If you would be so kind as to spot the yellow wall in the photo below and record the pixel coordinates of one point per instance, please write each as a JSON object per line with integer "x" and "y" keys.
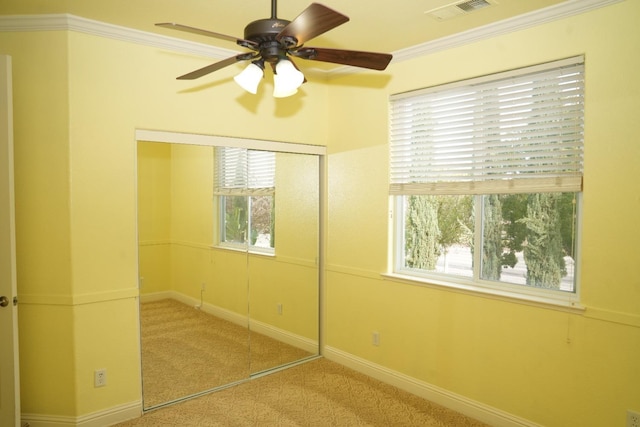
{"x": 45, "y": 149}
{"x": 77, "y": 101}
{"x": 542, "y": 364}
{"x": 154, "y": 216}
{"x": 43, "y": 218}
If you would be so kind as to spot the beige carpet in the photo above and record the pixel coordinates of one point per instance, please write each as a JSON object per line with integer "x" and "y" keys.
{"x": 186, "y": 351}
{"x": 315, "y": 393}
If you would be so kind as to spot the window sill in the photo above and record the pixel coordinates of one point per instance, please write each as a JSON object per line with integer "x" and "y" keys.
{"x": 567, "y": 305}
{"x": 244, "y": 250}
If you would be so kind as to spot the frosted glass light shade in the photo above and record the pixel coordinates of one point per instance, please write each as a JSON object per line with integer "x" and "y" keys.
{"x": 249, "y": 78}
{"x": 287, "y": 79}
{"x": 281, "y": 89}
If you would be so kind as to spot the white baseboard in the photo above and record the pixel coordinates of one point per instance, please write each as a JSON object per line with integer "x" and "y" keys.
{"x": 214, "y": 310}
{"x": 286, "y": 337}
{"x": 271, "y": 331}
{"x": 108, "y": 417}
{"x": 156, "y": 296}
{"x": 458, "y": 403}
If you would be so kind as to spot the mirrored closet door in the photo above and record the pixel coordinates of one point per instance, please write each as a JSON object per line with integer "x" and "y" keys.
{"x": 228, "y": 262}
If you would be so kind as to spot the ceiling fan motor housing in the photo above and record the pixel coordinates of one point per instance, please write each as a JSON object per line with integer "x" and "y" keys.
{"x": 264, "y": 32}
{"x": 264, "y": 29}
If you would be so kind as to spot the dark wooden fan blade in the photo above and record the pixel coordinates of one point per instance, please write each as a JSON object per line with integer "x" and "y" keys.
{"x": 215, "y": 67}
{"x": 313, "y": 21}
{"x": 372, "y": 60}
{"x": 193, "y": 30}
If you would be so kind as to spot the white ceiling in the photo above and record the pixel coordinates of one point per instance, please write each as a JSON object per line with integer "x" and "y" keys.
{"x": 378, "y": 26}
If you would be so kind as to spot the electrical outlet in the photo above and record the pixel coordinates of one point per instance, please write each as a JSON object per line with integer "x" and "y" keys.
{"x": 633, "y": 419}
{"x": 375, "y": 338}
{"x": 203, "y": 286}
{"x": 279, "y": 307}
{"x": 100, "y": 378}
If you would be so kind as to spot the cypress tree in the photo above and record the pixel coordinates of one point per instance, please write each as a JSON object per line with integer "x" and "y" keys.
{"x": 543, "y": 252}
{"x": 514, "y": 208}
{"x": 492, "y": 238}
{"x": 421, "y": 232}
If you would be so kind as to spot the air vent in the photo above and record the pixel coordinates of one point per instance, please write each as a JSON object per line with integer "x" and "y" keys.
{"x": 459, "y": 8}
{"x": 471, "y": 5}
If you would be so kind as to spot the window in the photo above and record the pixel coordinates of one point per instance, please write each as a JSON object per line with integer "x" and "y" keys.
{"x": 244, "y": 186}
{"x": 486, "y": 179}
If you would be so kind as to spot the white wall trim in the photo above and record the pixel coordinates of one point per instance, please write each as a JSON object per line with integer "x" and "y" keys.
{"x": 78, "y": 299}
{"x": 477, "y": 410}
{"x": 67, "y": 22}
{"x": 56, "y": 22}
{"x": 284, "y": 336}
{"x": 263, "y": 328}
{"x": 107, "y": 417}
{"x": 542, "y": 16}
{"x": 222, "y": 313}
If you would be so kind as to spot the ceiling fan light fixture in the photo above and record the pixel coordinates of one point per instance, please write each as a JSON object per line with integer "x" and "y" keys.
{"x": 250, "y": 77}
{"x": 281, "y": 90}
{"x": 287, "y": 79}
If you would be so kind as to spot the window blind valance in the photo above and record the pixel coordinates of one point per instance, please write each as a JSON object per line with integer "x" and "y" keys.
{"x": 520, "y": 131}
{"x": 243, "y": 172}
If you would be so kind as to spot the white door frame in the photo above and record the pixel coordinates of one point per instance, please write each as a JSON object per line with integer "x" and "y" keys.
{"x": 9, "y": 369}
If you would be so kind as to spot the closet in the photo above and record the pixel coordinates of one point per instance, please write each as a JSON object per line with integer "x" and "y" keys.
{"x": 229, "y": 250}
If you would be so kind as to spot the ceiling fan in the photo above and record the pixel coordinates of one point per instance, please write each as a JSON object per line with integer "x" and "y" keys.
{"x": 275, "y": 41}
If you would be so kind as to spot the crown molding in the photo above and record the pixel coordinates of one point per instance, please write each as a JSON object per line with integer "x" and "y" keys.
{"x": 55, "y": 22}
{"x": 549, "y": 14}
{"x": 67, "y": 22}
{"x": 538, "y": 17}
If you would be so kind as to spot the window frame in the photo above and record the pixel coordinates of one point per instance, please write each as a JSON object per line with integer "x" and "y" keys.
{"x": 474, "y": 284}
{"x": 221, "y": 200}
{"x": 243, "y": 185}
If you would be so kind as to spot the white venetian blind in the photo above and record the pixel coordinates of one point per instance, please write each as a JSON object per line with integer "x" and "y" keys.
{"x": 241, "y": 172}
{"x": 519, "y": 131}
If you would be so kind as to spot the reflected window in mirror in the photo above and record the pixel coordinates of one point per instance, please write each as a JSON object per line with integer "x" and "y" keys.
{"x": 244, "y": 190}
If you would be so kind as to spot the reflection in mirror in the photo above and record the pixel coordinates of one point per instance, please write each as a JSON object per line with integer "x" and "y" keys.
{"x": 283, "y": 289}
{"x": 228, "y": 279}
